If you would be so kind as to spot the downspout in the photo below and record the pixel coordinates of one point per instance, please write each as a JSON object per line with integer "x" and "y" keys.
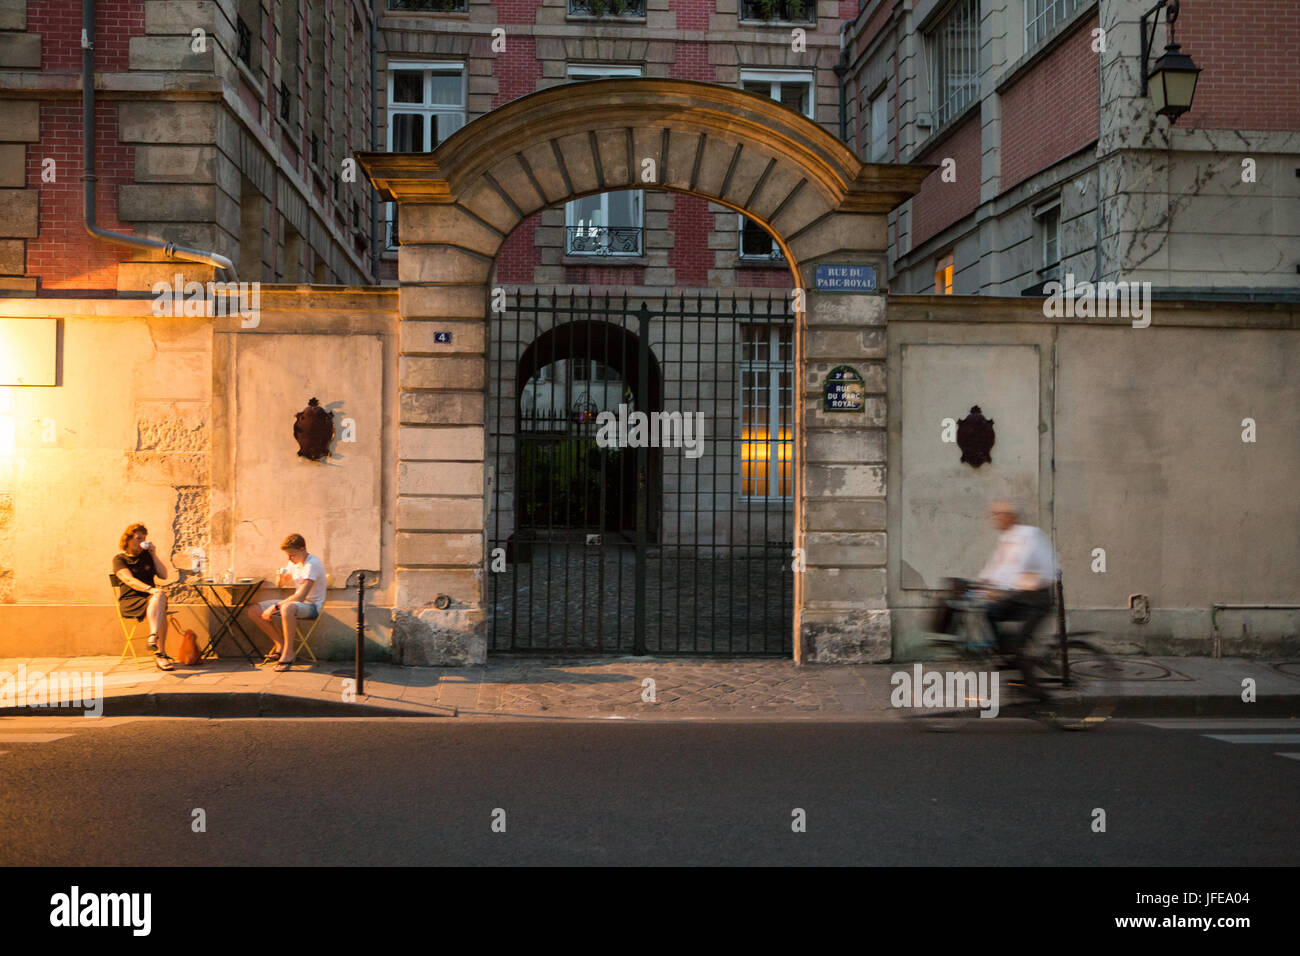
{"x": 374, "y": 138}
{"x": 170, "y": 249}
{"x": 841, "y": 69}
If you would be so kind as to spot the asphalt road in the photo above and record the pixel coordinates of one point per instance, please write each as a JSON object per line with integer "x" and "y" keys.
{"x": 123, "y": 791}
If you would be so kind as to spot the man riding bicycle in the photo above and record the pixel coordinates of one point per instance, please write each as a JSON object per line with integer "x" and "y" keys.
{"x": 1017, "y": 581}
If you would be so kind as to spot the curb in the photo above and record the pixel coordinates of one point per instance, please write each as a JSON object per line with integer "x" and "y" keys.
{"x": 259, "y": 704}
{"x": 226, "y": 705}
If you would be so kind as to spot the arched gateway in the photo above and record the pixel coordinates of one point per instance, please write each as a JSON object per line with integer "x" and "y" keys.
{"x": 826, "y": 210}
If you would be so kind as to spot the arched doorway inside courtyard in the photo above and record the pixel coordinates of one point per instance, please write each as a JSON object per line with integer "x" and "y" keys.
{"x": 823, "y": 207}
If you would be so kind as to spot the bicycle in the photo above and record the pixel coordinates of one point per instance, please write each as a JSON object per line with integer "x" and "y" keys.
{"x": 1077, "y": 677}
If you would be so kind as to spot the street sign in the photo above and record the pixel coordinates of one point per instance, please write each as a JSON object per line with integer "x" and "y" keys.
{"x": 845, "y": 391}
{"x": 846, "y": 278}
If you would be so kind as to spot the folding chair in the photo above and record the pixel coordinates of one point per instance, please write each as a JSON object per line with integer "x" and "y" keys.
{"x": 129, "y": 648}
{"x": 302, "y": 644}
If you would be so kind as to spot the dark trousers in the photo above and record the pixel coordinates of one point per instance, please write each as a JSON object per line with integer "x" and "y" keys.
{"x": 1028, "y": 608}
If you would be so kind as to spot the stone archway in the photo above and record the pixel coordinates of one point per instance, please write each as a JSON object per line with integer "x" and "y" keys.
{"x": 458, "y": 205}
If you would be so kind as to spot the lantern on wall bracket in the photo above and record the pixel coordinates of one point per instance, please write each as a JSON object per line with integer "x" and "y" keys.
{"x": 1171, "y": 80}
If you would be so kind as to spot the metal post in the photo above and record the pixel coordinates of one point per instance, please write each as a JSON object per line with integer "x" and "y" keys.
{"x": 642, "y": 477}
{"x": 1060, "y": 632}
{"x": 361, "y": 632}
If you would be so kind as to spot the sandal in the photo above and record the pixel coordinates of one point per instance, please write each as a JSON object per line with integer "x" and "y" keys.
{"x": 284, "y": 666}
{"x": 163, "y": 662}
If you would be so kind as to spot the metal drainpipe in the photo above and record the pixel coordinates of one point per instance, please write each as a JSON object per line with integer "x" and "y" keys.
{"x": 88, "y": 125}
{"x": 374, "y": 138}
{"x": 841, "y": 69}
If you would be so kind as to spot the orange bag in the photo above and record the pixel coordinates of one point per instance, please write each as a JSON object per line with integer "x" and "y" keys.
{"x": 188, "y": 655}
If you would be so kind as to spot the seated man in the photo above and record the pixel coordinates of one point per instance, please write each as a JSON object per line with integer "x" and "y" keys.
{"x": 1018, "y": 580}
{"x": 304, "y": 604}
{"x": 137, "y": 566}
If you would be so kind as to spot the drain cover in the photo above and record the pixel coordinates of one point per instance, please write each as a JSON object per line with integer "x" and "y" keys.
{"x": 1123, "y": 670}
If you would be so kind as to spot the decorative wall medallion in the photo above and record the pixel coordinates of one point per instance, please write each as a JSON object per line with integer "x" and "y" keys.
{"x": 313, "y": 427}
{"x": 975, "y": 437}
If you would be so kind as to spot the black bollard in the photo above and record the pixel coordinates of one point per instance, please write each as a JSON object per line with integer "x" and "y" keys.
{"x": 361, "y": 632}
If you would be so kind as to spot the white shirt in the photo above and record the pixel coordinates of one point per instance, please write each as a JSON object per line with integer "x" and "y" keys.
{"x": 313, "y": 569}
{"x": 1022, "y": 549}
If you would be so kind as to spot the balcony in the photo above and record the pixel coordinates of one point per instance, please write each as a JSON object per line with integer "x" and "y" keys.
{"x": 429, "y": 6}
{"x": 779, "y": 11}
{"x": 604, "y": 240}
{"x": 607, "y": 8}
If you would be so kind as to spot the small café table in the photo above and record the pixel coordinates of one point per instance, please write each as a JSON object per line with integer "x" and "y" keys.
{"x": 227, "y": 609}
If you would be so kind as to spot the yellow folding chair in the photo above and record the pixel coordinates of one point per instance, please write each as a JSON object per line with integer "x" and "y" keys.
{"x": 302, "y": 644}
{"x": 129, "y": 634}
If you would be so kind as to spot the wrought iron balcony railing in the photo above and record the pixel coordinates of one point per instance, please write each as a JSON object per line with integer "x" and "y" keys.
{"x": 286, "y": 108}
{"x": 783, "y": 11}
{"x": 604, "y": 241}
{"x": 429, "y": 6}
{"x": 607, "y": 8}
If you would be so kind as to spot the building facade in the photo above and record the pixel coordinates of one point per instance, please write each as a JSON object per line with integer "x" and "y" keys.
{"x": 1051, "y": 160}
{"x": 225, "y": 127}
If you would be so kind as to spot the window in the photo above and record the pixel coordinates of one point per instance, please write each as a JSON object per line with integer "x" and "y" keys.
{"x": 1044, "y": 16}
{"x": 879, "y": 128}
{"x": 794, "y": 90}
{"x": 290, "y": 58}
{"x": 426, "y": 104}
{"x": 606, "y": 224}
{"x": 248, "y": 24}
{"x": 1047, "y": 224}
{"x": 954, "y": 53}
{"x": 943, "y": 272}
{"x": 779, "y": 11}
{"x": 766, "y": 411}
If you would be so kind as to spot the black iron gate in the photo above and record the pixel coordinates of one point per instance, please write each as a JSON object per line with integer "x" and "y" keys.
{"x": 643, "y": 463}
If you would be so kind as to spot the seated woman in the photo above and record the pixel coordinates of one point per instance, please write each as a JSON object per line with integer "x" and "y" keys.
{"x": 138, "y": 566}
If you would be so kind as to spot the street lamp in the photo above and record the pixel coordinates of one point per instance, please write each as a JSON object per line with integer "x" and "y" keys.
{"x": 1171, "y": 81}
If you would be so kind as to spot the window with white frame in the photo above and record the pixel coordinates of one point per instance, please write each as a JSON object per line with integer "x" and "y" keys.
{"x": 795, "y": 90}
{"x": 610, "y": 223}
{"x": 766, "y": 410}
{"x": 426, "y": 104}
{"x": 879, "y": 128}
{"x": 954, "y": 46}
{"x": 1047, "y": 223}
{"x": 1044, "y": 16}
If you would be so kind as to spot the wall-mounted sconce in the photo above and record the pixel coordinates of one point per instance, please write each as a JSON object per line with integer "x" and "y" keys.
{"x": 1171, "y": 80}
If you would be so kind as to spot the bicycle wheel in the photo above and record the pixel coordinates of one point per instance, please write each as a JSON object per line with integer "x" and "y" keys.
{"x": 1089, "y": 697}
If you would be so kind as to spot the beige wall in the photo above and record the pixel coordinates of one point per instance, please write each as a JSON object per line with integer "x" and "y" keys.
{"x": 1138, "y": 439}
{"x": 144, "y": 424}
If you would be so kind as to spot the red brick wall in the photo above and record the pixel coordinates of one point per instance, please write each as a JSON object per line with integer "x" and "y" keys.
{"x": 939, "y": 204}
{"x": 59, "y": 24}
{"x": 516, "y": 11}
{"x": 517, "y": 69}
{"x": 1247, "y": 53}
{"x": 518, "y": 255}
{"x": 692, "y": 63}
{"x": 691, "y": 14}
{"x": 690, "y": 222}
{"x": 1051, "y": 111}
{"x": 64, "y": 255}
{"x": 764, "y": 278}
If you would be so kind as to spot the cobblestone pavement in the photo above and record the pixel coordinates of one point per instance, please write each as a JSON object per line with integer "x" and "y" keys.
{"x": 584, "y": 598}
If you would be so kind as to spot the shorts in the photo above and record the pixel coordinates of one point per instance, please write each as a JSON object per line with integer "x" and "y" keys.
{"x": 304, "y": 610}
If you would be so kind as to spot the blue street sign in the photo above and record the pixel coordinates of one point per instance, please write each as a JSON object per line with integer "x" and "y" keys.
{"x": 846, "y": 278}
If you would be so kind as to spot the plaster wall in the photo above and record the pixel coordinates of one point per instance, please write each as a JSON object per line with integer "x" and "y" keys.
{"x": 1137, "y": 435}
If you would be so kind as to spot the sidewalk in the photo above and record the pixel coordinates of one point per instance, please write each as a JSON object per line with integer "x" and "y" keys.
{"x": 541, "y": 688}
